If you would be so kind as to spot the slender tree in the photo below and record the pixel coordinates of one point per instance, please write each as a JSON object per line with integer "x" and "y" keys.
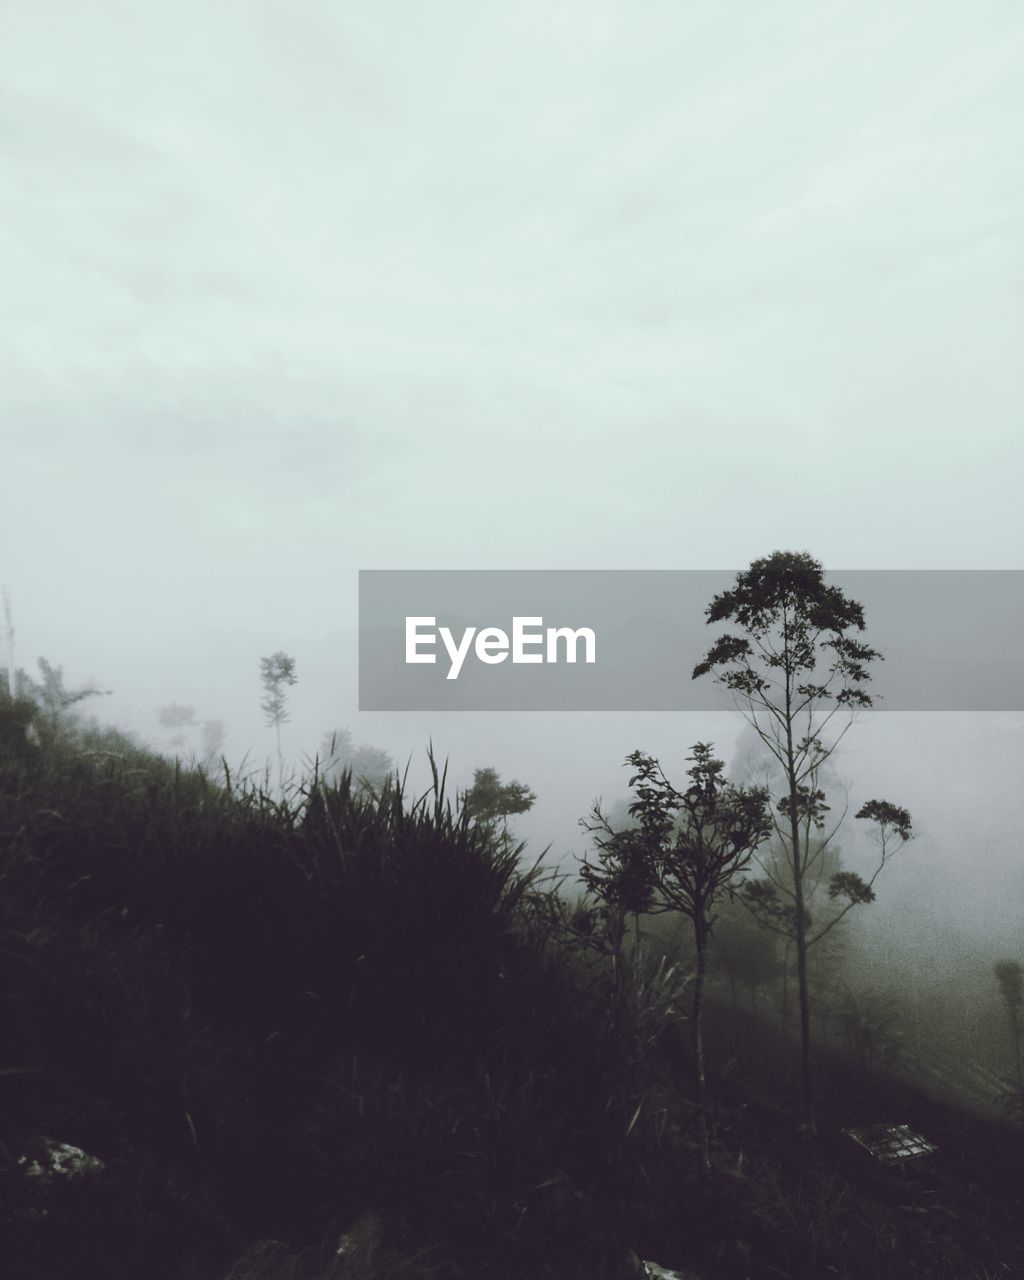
{"x": 276, "y": 672}
{"x": 797, "y": 673}
{"x": 1009, "y": 975}
{"x": 212, "y": 735}
{"x": 684, "y": 854}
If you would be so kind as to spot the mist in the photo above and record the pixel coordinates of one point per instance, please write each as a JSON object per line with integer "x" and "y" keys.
{"x": 292, "y": 292}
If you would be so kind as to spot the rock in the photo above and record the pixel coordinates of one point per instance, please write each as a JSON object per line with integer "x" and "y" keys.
{"x": 656, "y": 1272}
{"x": 51, "y": 1160}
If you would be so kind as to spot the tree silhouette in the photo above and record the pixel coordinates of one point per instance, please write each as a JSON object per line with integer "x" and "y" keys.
{"x": 54, "y": 700}
{"x": 797, "y": 674}
{"x": 212, "y": 735}
{"x": 685, "y": 852}
{"x": 176, "y": 717}
{"x": 276, "y": 672}
{"x": 489, "y": 801}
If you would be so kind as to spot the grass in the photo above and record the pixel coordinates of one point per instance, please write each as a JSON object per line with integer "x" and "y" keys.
{"x": 338, "y": 1036}
{"x": 270, "y": 1018}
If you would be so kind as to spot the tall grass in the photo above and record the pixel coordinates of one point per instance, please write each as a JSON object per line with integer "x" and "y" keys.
{"x": 272, "y": 1017}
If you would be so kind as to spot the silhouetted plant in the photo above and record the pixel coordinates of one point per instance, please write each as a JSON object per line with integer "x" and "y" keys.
{"x": 302, "y": 1010}
{"x": 684, "y": 853}
{"x": 276, "y": 672}
{"x": 797, "y": 672}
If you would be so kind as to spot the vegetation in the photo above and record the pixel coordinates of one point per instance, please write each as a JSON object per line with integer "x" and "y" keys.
{"x": 277, "y": 672}
{"x": 685, "y": 851}
{"x": 276, "y": 1017}
{"x": 370, "y": 767}
{"x": 797, "y": 674}
{"x": 342, "y": 1031}
{"x": 490, "y": 802}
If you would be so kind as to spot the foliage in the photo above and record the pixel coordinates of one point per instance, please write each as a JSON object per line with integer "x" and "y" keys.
{"x": 489, "y": 801}
{"x": 684, "y": 852}
{"x": 370, "y": 768}
{"x": 276, "y": 1017}
{"x": 797, "y": 672}
{"x": 54, "y": 701}
{"x": 276, "y": 672}
{"x": 211, "y": 737}
{"x": 176, "y": 716}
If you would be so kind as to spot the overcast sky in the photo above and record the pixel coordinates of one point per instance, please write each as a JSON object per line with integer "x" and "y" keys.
{"x": 290, "y": 289}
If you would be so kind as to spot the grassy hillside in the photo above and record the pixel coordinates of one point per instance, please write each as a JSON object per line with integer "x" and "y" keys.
{"x": 344, "y": 1036}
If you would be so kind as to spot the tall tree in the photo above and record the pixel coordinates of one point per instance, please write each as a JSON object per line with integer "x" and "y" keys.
{"x": 684, "y": 854}
{"x": 797, "y": 672}
{"x": 1009, "y": 975}
{"x": 276, "y": 672}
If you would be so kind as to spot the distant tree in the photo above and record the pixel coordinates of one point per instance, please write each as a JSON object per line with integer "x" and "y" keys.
{"x": 212, "y": 735}
{"x": 54, "y": 700}
{"x": 176, "y": 717}
{"x": 276, "y": 672}
{"x": 870, "y": 1022}
{"x": 372, "y": 768}
{"x": 16, "y": 736}
{"x": 335, "y": 752}
{"x": 1009, "y": 975}
{"x": 490, "y": 802}
{"x": 797, "y": 673}
{"x": 622, "y": 880}
{"x": 684, "y": 854}
{"x": 746, "y": 954}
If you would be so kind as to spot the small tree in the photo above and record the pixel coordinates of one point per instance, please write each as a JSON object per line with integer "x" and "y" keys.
{"x": 797, "y": 674}
{"x": 685, "y": 853}
{"x": 1009, "y": 975}
{"x": 489, "y": 801}
{"x": 276, "y": 672}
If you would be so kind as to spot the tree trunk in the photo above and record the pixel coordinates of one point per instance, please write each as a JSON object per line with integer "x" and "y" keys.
{"x": 806, "y": 1077}
{"x": 697, "y": 1033}
{"x": 800, "y": 924}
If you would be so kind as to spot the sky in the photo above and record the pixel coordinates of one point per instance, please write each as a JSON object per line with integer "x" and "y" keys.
{"x": 292, "y": 290}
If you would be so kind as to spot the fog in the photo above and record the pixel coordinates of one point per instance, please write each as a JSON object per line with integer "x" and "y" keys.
{"x": 295, "y": 290}
{"x": 291, "y": 291}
